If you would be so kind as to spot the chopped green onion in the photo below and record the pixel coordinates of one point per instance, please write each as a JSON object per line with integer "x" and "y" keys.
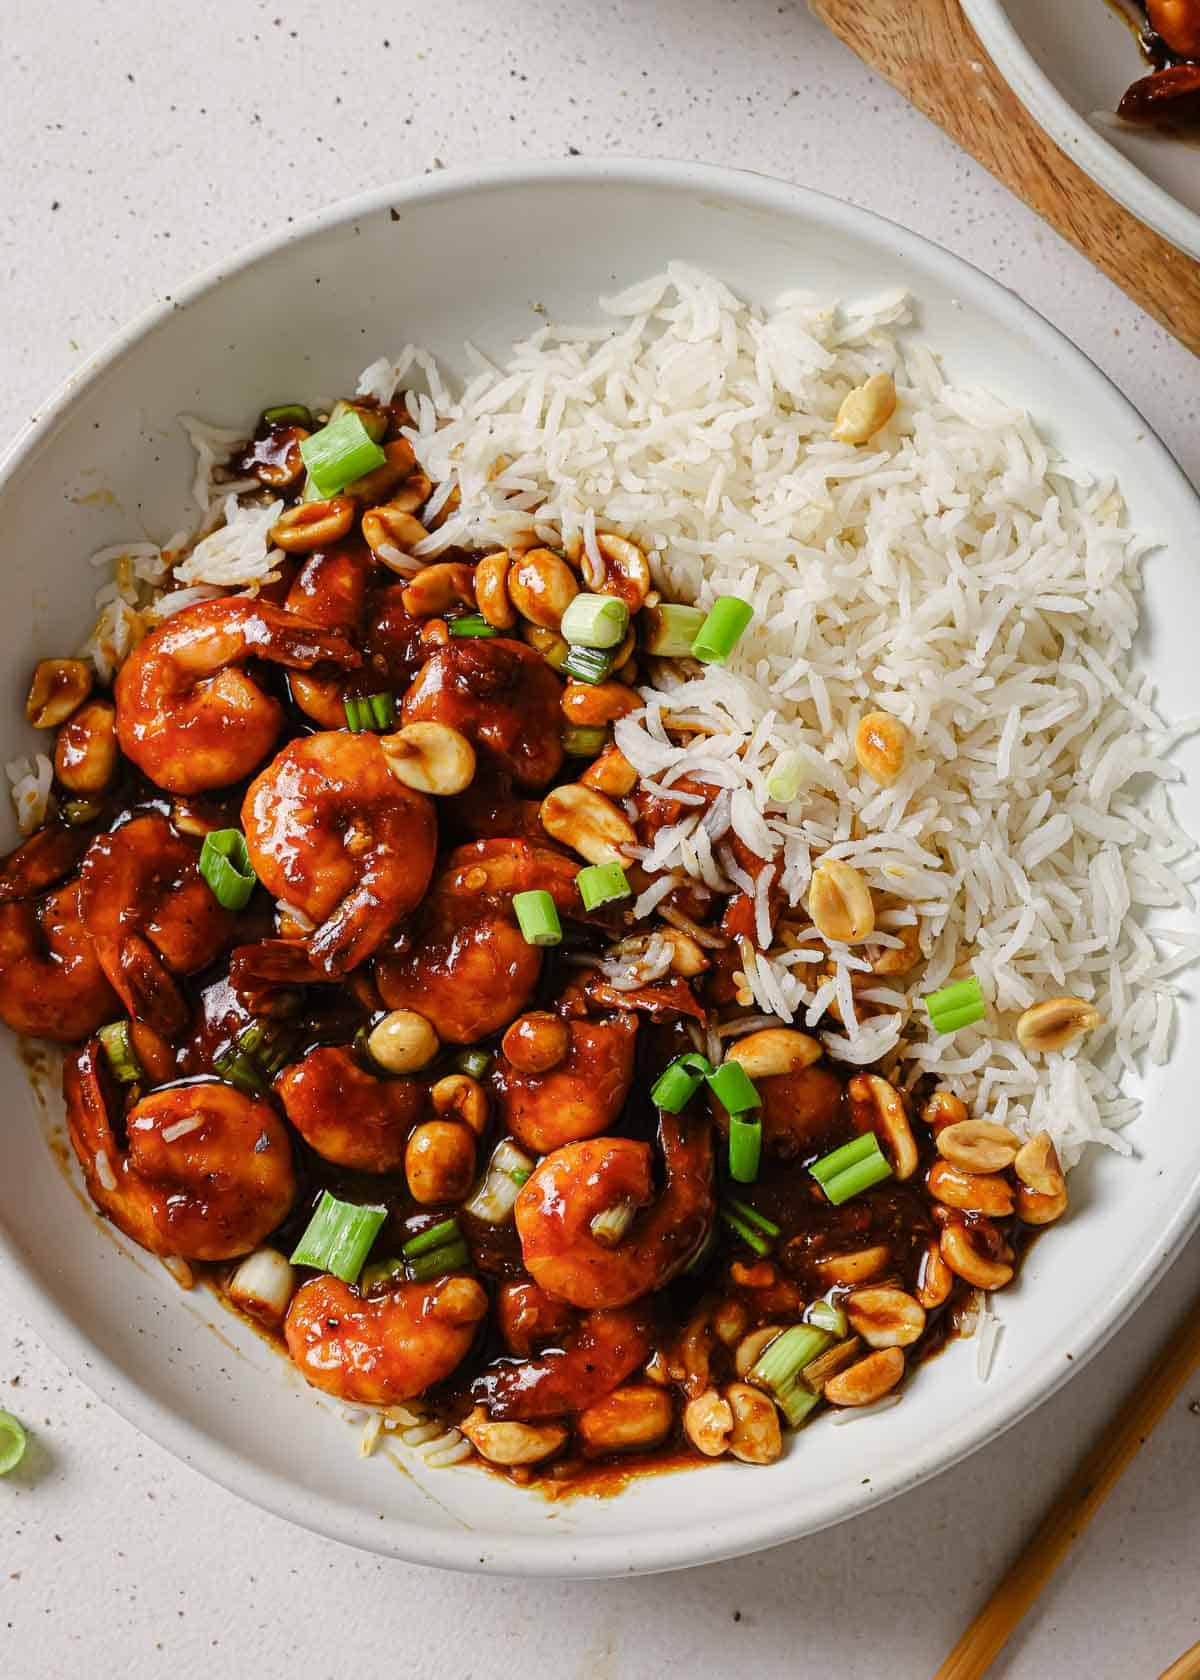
{"x": 748, "y": 1234}
{"x": 538, "y": 918}
{"x": 610, "y": 1225}
{"x": 849, "y": 1155}
{"x": 733, "y": 1087}
{"x": 339, "y": 1237}
{"x": 453, "y": 1257}
{"x": 494, "y": 1198}
{"x": 269, "y": 1043}
{"x": 122, "y": 1057}
{"x": 287, "y": 414}
{"x": 745, "y": 1147}
{"x": 602, "y": 883}
{"x": 669, "y": 630}
{"x": 955, "y": 1006}
{"x": 788, "y": 775}
{"x": 474, "y": 1063}
{"x": 240, "y": 1071}
{"x": 13, "y": 1441}
{"x": 752, "y": 1216}
{"x": 370, "y": 711}
{"x": 778, "y": 1369}
{"x": 721, "y": 630}
{"x": 825, "y": 1316}
{"x": 471, "y": 624}
{"x": 853, "y": 1168}
{"x": 225, "y": 865}
{"x": 679, "y": 1081}
{"x": 435, "y": 1236}
{"x": 380, "y": 1271}
{"x": 340, "y": 452}
{"x": 374, "y": 420}
{"x": 586, "y": 664}
{"x": 595, "y": 621}
{"x": 80, "y": 811}
{"x": 581, "y": 740}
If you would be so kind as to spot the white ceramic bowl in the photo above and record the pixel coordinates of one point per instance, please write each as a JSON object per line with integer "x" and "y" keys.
{"x": 433, "y": 261}
{"x": 1069, "y": 62}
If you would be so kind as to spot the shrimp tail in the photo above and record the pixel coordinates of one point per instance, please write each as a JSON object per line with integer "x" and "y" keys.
{"x": 349, "y": 935}
{"x": 143, "y": 983}
{"x": 43, "y": 859}
{"x": 299, "y": 643}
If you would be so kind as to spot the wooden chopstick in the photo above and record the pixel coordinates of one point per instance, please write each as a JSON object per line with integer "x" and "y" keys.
{"x": 1186, "y": 1667}
{"x": 1074, "y": 1509}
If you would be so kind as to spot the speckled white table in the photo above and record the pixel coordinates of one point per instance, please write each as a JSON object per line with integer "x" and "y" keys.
{"x": 142, "y": 142}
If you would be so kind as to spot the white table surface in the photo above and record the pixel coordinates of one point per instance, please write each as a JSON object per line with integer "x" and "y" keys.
{"x": 143, "y": 141}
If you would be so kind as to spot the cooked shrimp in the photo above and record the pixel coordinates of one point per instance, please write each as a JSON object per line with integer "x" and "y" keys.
{"x": 578, "y": 1098}
{"x": 468, "y": 969}
{"x": 51, "y": 981}
{"x": 349, "y": 1116}
{"x": 152, "y": 916}
{"x": 207, "y": 1172}
{"x": 800, "y": 1112}
{"x": 331, "y": 830}
{"x": 330, "y": 590}
{"x": 188, "y": 714}
{"x": 607, "y": 1347}
{"x": 528, "y": 1318}
{"x": 381, "y": 1349}
{"x": 41, "y": 860}
{"x": 502, "y": 696}
{"x": 567, "y": 1191}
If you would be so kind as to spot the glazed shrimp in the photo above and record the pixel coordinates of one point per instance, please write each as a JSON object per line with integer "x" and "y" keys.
{"x": 468, "y": 969}
{"x": 41, "y": 860}
{"x": 581, "y": 1095}
{"x": 349, "y": 1116}
{"x": 152, "y": 916}
{"x": 51, "y": 981}
{"x": 332, "y": 831}
{"x": 188, "y": 714}
{"x": 567, "y": 1190}
{"x": 503, "y": 697}
{"x": 330, "y": 590}
{"x": 206, "y": 1174}
{"x": 607, "y": 1347}
{"x": 380, "y": 1349}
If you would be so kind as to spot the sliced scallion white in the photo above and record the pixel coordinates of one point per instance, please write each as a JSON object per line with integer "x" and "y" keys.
{"x": 495, "y": 1196}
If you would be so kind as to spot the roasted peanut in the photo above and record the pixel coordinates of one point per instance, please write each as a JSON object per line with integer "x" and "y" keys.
{"x": 840, "y": 903}
{"x": 398, "y": 464}
{"x": 752, "y": 1346}
{"x": 58, "y": 688}
{"x": 900, "y": 959}
{"x": 280, "y": 462}
{"x": 774, "y": 1050}
{"x": 708, "y": 1423}
{"x": 439, "y": 1161}
{"x": 755, "y": 1437}
{"x": 968, "y": 1262}
{"x": 1036, "y": 1208}
{"x": 491, "y": 590}
{"x": 876, "y": 1106}
{"x": 611, "y": 773}
{"x": 312, "y": 525}
{"x": 886, "y": 1317}
{"x": 625, "y": 571}
{"x": 1056, "y": 1023}
{"x": 1038, "y": 1167}
{"x": 403, "y": 1041}
{"x": 457, "y": 1096}
{"x": 587, "y": 822}
{"x": 943, "y": 1109}
{"x": 536, "y": 1042}
{"x": 541, "y": 587}
{"x": 972, "y": 1192}
{"x": 865, "y": 409}
{"x": 978, "y": 1146}
{"x": 855, "y": 1267}
{"x": 508, "y": 1443}
{"x": 934, "y": 1279}
{"x": 85, "y": 752}
{"x": 595, "y": 704}
{"x": 437, "y": 588}
{"x": 431, "y": 757}
{"x": 729, "y": 1322}
{"x": 881, "y": 746}
{"x": 629, "y": 1418}
{"x": 867, "y": 1381}
{"x": 391, "y": 529}
{"x": 687, "y": 957}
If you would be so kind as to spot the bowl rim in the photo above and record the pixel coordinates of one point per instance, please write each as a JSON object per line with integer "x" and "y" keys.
{"x": 553, "y": 1555}
{"x": 1125, "y": 180}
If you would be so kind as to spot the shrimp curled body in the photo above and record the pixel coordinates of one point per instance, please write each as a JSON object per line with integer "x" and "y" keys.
{"x": 188, "y": 714}
{"x": 580, "y": 1097}
{"x": 567, "y": 1190}
{"x": 51, "y": 982}
{"x": 607, "y": 1347}
{"x": 350, "y": 1116}
{"x": 206, "y": 1174}
{"x": 381, "y": 1349}
{"x": 331, "y": 830}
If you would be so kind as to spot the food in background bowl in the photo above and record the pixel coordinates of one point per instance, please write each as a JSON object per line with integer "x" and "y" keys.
{"x": 1169, "y": 97}
{"x": 603, "y": 906}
